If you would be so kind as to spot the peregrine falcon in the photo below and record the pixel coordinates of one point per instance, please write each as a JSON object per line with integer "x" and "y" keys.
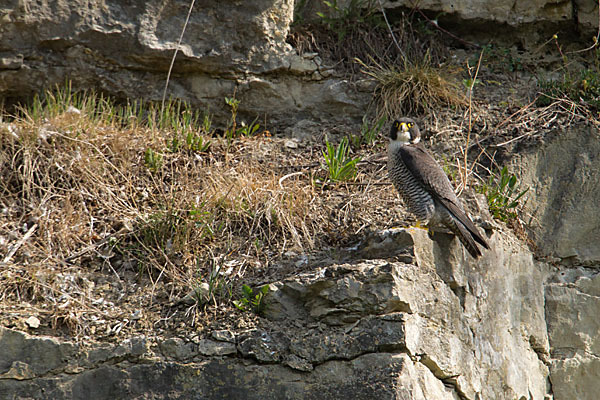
{"x": 425, "y": 187}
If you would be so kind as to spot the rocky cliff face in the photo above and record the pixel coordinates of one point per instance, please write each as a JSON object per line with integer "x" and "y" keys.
{"x": 436, "y": 325}
{"x": 563, "y": 173}
{"x": 407, "y": 317}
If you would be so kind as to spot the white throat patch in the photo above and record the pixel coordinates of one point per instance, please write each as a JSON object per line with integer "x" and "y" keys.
{"x": 404, "y": 138}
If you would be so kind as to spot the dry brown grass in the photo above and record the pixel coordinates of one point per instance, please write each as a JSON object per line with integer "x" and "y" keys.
{"x": 80, "y": 182}
{"x": 86, "y": 217}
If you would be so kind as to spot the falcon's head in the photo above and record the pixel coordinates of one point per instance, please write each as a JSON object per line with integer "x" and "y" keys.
{"x": 405, "y": 130}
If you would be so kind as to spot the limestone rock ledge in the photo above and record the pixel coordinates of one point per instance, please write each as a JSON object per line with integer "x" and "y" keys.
{"x": 441, "y": 326}
{"x": 125, "y": 49}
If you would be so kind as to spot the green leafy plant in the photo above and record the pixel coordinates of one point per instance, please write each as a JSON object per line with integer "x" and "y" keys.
{"x": 450, "y": 169}
{"x": 193, "y": 142}
{"x": 233, "y": 130}
{"x": 248, "y": 130}
{"x": 252, "y": 300}
{"x": 368, "y": 132}
{"x": 152, "y": 159}
{"x": 233, "y": 103}
{"x": 503, "y": 195}
{"x": 196, "y": 142}
{"x": 339, "y": 165}
{"x": 470, "y": 83}
{"x": 189, "y": 132}
{"x": 205, "y": 222}
{"x": 577, "y": 86}
{"x": 214, "y": 287}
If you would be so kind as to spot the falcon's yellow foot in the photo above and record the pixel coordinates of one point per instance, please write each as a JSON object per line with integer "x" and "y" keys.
{"x": 419, "y": 226}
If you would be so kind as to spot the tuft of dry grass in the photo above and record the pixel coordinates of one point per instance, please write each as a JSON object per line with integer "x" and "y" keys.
{"x": 413, "y": 88}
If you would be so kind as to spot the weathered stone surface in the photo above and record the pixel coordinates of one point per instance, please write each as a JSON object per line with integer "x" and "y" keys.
{"x": 382, "y": 376}
{"x": 508, "y": 328}
{"x": 587, "y": 14}
{"x": 386, "y": 244}
{"x": 178, "y": 349}
{"x": 126, "y": 49}
{"x": 572, "y": 304}
{"x": 369, "y": 336}
{"x": 576, "y": 377}
{"x": 448, "y": 318}
{"x": 130, "y": 349}
{"x": 564, "y": 177}
{"x": 338, "y": 301}
{"x": 208, "y": 347}
{"x": 510, "y": 12}
{"x": 263, "y": 346}
{"x": 223, "y": 335}
{"x": 38, "y": 355}
{"x": 299, "y": 363}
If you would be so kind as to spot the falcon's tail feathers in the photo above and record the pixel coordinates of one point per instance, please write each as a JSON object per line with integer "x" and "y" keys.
{"x": 468, "y": 239}
{"x": 479, "y": 239}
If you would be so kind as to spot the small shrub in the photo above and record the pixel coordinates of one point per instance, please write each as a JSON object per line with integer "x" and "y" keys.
{"x": 342, "y": 20}
{"x": 152, "y": 159}
{"x": 244, "y": 130}
{"x": 368, "y": 132}
{"x": 252, "y": 300}
{"x": 213, "y": 288}
{"x": 502, "y": 195}
{"x": 579, "y": 87}
{"x": 248, "y": 130}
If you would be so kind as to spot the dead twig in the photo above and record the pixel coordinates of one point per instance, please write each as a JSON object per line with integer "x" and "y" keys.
{"x": 470, "y": 127}
{"x": 391, "y": 31}
{"x": 283, "y": 178}
{"x": 20, "y": 243}
{"x": 93, "y": 246}
{"x": 452, "y": 35}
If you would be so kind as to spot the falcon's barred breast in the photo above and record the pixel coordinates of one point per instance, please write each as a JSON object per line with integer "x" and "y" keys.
{"x": 425, "y": 188}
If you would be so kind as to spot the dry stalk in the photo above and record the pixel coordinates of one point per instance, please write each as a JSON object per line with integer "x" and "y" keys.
{"x": 187, "y": 19}
{"x": 465, "y": 170}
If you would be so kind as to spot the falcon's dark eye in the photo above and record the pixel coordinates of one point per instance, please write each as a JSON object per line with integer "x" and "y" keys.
{"x": 410, "y": 124}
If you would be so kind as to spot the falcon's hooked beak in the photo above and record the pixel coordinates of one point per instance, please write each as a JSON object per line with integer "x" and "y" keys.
{"x": 403, "y": 127}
